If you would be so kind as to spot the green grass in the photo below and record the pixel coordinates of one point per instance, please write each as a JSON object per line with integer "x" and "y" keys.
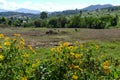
{"x": 107, "y": 48}
{"x": 111, "y": 48}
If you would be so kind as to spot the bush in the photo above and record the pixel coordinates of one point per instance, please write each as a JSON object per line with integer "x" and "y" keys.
{"x": 15, "y": 62}
{"x": 78, "y": 62}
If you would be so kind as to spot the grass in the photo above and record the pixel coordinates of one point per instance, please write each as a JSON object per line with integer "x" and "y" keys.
{"x": 37, "y": 37}
{"x": 108, "y": 48}
{"x": 104, "y": 43}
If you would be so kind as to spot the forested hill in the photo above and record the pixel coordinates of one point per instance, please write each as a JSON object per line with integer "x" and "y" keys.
{"x": 18, "y": 15}
{"x": 91, "y": 8}
{"x": 87, "y": 9}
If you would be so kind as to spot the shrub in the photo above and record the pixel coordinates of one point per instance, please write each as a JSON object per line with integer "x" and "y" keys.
{"x": 78, "y": 62}
{"x": 15, "y": 62}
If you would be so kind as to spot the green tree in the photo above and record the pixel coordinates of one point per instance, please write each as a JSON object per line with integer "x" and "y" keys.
{"x": 43, "y": 15}
{"x": 62, "y": 21}
{"x": 38, "y": 23}
{"x": 3, "y": 20}
{"x": 53, "y": 22}
{"x": 114, "y": 21}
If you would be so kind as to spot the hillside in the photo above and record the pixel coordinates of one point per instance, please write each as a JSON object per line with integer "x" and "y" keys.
{"x": 33, "y": 13}
{"x": 17, "y": 14}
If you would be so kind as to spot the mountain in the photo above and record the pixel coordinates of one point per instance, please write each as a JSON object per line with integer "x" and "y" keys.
{"x": 18, "y": 15}
{"x": 75, "y": 11}
{"x": 94, "y": 7}
{"x": 2, "y": 10}
{"x": 23, "y": 10}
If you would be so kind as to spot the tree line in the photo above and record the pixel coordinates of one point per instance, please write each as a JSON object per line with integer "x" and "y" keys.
{"x": 75, "y": 21}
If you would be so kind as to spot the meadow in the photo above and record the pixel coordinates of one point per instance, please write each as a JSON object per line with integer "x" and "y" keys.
{"x": 59, "y": 54}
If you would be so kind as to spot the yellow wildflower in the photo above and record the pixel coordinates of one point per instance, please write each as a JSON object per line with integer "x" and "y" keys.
{"x": 7, "y": 43}
{"x": 26, "y": 55}
{"x": 1, "y": 36}
{"x": 75, "y": 77}
{"x": 36, "y": 64}
{"x": 80, "y": 61}
{"x": 71, "y": 47}
{"x": 105, "y": 67}
{"x": 66, "y": 44}
{"x": 37, "y": 61}
{"x": 30, "y": 47}
{"x": 77, "y": 56}
{"x": 14, "y": 39}
{"x": 97, "y": 47}
{"x": 33, "y": 65}
{"x": 72, "y": 54}
{"x": 0, "y": 47}
{"x": 52, "y": 49}
{"x": 24, "y": 78}
{"x": 59, "y": 49}
{"x": 76, "y": 67}
{"x": 22, "y": 39}
{"x": 1, "y": 57}
{"x": 17, "y": 35}
{"x": 105, "y": 64}
{"x": 22, "y": 42}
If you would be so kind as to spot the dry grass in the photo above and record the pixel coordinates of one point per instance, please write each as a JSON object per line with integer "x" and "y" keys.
{"x": 38, "y": 37}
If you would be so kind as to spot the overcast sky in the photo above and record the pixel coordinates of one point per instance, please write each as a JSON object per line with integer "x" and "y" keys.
{"x": 52, "y": 5}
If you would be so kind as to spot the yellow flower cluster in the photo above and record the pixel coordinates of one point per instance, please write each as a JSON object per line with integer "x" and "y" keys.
{"x": 76, "y": 55}
{"x": 1, "y": 36}
{"x": 0, "y": 47}
{"x": 24, "y": 78}
{"x": 66, "y": 44}
{"x": 26, "y": 55}
{"x": 1, "y": 57}
{"x": 7, "y": 43}
{"x": 31, "y": 48}
{"x": 76, "y": 67}
{"x": 35, "y": 64}
{"x": 106, "y": 67}
{"x": 75, "y": 77}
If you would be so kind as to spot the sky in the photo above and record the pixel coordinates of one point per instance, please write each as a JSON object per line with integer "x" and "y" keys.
{"x": 52, "y": 5}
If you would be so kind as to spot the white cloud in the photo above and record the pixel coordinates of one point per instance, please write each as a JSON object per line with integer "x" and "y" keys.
{"x": 48, "y": 6}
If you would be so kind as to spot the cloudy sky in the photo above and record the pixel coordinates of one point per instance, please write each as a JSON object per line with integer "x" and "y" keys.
{"x": 52, "y": 5}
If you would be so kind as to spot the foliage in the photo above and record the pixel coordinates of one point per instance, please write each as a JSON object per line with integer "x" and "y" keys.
{"x": 15, "y": 62}
{"x": 80, "y": 61}
{"x": 67, "y": 61}
{"x": 43, "y": 15}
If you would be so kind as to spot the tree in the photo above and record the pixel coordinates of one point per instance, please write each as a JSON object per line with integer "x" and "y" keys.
{"x": 114, "y": 21}
{"x": 43, "y": 15}
{"x": 53, "y": 22}
{"x": 3, "y": 20}
{"x": 62, "y": 21}
{"x": 38, "y": 23}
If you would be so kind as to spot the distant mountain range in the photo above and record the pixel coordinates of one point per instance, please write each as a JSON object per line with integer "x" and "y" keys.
{"x": 89, "y": 8}
{"x": 23, "y": 10}
{"x": 94, "y": 7}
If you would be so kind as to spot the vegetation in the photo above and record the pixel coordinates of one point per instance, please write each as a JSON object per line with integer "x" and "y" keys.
{"x": 57, "y": 47}
{"x": 74, "y": 61}
{"x": 97, "y": 19}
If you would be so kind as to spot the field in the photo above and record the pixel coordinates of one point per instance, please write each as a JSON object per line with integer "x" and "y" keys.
{"x": 61, "y": 53}
{"x": 38, "y": 37}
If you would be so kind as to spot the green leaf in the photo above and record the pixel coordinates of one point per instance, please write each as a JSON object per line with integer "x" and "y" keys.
{"x": 116, "y": 75}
